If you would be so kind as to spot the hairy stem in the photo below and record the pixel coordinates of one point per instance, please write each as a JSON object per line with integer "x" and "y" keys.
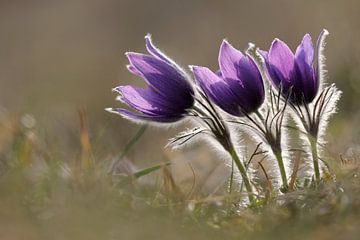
{"x": 280, "y": 162}
{"x": 243, "y": 173}
{"x": 314, "y": 152}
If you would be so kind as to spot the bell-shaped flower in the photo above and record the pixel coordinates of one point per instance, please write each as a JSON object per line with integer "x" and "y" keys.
{"x": 295, "y": 75}
{"x": 169, "y": 93}
{"x": 237, "y": 88}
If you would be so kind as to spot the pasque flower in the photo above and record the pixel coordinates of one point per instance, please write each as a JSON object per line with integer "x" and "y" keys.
{"x": 299, "y": 78}
{"x": 237, "y": 87}
{"x": 169, "y": 93}
{"x": 295, "y": 75}
{"x": 170, "y": 97}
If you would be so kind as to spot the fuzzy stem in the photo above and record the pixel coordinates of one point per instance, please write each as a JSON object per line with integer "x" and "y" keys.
{"x": 314, "y": 152}
{"x": 280, "y": 162}
{"x": 243, "y": 173}
{"x": 231, "y": 177}
{"x": 275, "y": 147}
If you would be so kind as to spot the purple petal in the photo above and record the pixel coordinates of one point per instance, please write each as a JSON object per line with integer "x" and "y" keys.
{"x": 217, "y": 89}
{"x": 133, "y": 70}
{"x": 249, "y": 88}
{"x": 307, "y": 80}
{"x": 163, "y": 77}
{"x": 249, "y": 74}
{"x": 218, "y": 72}
{"x": 266, "y": 64}
{"x": 146, "y": 101}
{"x": 155, "y": 51}
{"x": 229, "y": 57}
{"x": 264, "y": 54}
{"x": 305, "y": 51}
{"x": 142, "y": 117}
{"x": 281, "y": 63}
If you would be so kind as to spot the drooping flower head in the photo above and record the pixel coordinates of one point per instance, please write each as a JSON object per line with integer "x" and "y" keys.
{"x": 295, "y": 75}
{"x": 169, "y": 93}
{"x": 237, "y": 88}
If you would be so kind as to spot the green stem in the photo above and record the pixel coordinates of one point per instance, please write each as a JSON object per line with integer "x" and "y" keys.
{"x": 314, "y": 152}
{"x": 243, "y": 173}
{"x": 280, "y": 162}
{"x": 231, "y": 177}
{"x": 277, "y": 152}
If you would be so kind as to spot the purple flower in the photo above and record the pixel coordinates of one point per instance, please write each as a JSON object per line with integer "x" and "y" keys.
{"x": 295, "y": 75}
{"x": 169, "y": 93}
{"x": 237, "y": 87}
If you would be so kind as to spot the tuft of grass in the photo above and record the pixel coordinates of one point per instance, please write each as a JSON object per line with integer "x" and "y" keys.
{"x": 43, "y": 196}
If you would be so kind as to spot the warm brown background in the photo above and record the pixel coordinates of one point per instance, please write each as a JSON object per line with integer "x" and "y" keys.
{"x": 57, "y": 56}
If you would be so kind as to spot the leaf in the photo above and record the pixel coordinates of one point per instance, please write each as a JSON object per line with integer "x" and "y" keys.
{"x": 128, "y": 146}
{"x": 148, "y": 170}
{"x": 132, "y": 141}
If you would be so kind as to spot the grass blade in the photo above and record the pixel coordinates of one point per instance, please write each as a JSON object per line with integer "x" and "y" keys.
{"x": 132, "y": 141}
{"x": 148, "y": 170}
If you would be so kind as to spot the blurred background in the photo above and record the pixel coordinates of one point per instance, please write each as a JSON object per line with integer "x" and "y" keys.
{"x": 59, "y": 56}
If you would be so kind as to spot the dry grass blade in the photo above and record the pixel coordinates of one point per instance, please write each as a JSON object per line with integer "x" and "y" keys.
{"x": 170, "y": 187}
{"x": 268, "y": 180}
{"x": 87, "y": 159}
{"x": 295, "y": 171}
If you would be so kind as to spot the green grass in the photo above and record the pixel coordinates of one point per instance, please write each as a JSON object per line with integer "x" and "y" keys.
{"x": 43, "y": 196}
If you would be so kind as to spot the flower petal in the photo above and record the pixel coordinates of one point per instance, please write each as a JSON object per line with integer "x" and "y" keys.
{"x": 249, "y": 88}
{"x": 282, "y": 63}
{"x": 229, "y": 58}
{"x": 305, "y": 51}
{"x": 134, "y": 71}
{"x": 307, "y": 79}
{"x": 217, "y": 89}
{"x": 142, "y": 117}
{"x": 263, "y": 53}
{"x": 163, "y": 77}
{"x": 266, "y": 64}
{"x": 156, "y": 52}
{"x": 146, "y": 101}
